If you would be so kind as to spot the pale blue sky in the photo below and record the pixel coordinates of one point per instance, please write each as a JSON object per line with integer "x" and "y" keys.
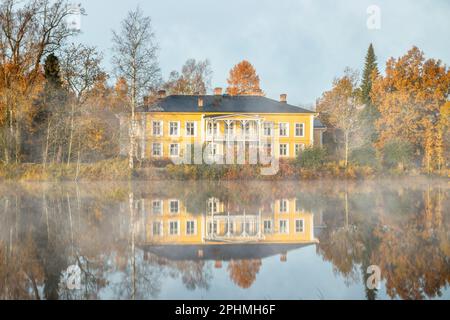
{"x": 296, "y": 46}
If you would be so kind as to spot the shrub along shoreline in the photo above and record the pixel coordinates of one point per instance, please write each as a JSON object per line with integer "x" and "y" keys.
{"x": 118, "y": 170}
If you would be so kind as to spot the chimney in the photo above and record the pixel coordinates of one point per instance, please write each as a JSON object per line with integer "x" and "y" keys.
{"x": 218, "y": 264}
{"x": 200, "y": 103}
{"x": 283, "y": 98}
{"x": 283, "y": 257}
{"x": 218, "y": 91}
{"x": 161, "y": 94}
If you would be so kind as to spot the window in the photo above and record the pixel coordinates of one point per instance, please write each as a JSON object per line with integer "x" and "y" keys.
{"x": 157, "y": 228}
{"x": 268, "y": 149}
{"x": 246, "y": 128}
{"x": 190, "y": 227}
{"x": 212, "y": 128}
{"x": 212, "y": 227}
{"x": 212, "y": 149}
{"x": 213, "y": 205}
{"x": 190, "y": 129}
{"x": 174, "y": 129}
{"x": 267, "y": 226}
{"x": 284, "y": 129}
{"x": 299, "y": 147}
{"x": 174, "y": 150}
{"x": 245, "y": 227}
{"x": 229, "y": 227}
{"x": 229, "y": 128}
{"x": 284, "y": 205}
{"x": 299, "y": 226}
{"x": 174, "y": 206}
{"x": 284, "y": 228}
{"x": 157, "y": 150}
{"x": 157, "y": 128}
{"x": 284, "y": 150}
{"x": 157, "y": 207}
{"x": 173, "y": 228}
{"x": 299, "y": 129}
{"x": 268, "y": 127}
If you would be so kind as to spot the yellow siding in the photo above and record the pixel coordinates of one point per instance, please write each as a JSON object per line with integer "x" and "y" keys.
{"x": 182, "y": 139}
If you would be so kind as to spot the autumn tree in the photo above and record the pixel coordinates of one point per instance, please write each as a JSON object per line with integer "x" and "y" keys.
{"x": 135, "y": 59}
{"x": 410, "y": 98}
{"x": 195, "y": 77}
{"x": 340, "y": 108}
{"x": 243, "y": 272}
{"x": 243, "y": 80}
{"x": 81, "y": 70}
{"x": 28, "y": 32}
{"x": 370, "y": 113}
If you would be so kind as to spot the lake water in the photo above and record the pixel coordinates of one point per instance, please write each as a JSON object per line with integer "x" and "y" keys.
{"x": 206, "y": 240}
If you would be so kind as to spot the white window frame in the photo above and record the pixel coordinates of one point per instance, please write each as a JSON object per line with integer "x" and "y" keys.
{"x": 280, "y": 125}
{"x": 211, "y": 226}
{"x": 186, "y": 129}
{"x": 300, "y": 146}
{"x": 161, "y": 205}
{"x": 178, "y": 150}
{"x": 302, "y": 130}
{"x": 170, "y": 206}
{"x": 194, "y": 233}
{"x": 212, "y": 129}
{"x": 161, "y": 228}
{"x": 270, "y": 128}
{"x": 287, "y": 150}
{"x": 161, "y": 128}
{"x": 169, "y": 231}
{"x": 161, "y": 148}
{"x": 287, "y": 226}
{"x": 303, "y": 225}
{"x": 270, "y": 229}
{"x": 287, "y": 205}
{"x": 178, "y": 128}
{"x": 211, "y": 203}
{"x": 227, "y": 132}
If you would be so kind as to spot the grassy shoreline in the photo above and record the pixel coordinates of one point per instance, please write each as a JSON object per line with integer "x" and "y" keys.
{"x": 118, "y": 170}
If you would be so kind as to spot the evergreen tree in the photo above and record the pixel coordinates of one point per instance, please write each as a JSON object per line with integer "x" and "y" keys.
{"x": 370, "y": 113}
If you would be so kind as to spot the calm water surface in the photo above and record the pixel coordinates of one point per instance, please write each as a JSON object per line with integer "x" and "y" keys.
{"x": 204, "y": 240}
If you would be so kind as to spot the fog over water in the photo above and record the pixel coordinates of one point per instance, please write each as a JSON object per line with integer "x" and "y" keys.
{"x": 212, "y": 240}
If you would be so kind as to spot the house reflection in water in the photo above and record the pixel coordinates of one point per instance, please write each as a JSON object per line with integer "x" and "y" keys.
{"x": 224, "y": 231}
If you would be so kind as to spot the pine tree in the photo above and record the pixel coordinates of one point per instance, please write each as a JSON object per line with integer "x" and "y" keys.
{"x": 370, "y": 114}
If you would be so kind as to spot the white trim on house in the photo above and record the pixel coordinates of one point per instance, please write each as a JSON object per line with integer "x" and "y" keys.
{"x": 302, "y": 226}
{"x": 302, "y": 128}
{"x": 287, "y": 226}
{"x": 170, "y": 206}
{"x": 170, "y": 150}
{"x": 287, "y": 150}
{"x": 161, "y": 148}
{"x": 194, "y": 233}
{"x": 178, "y": 227}
{"x": 287, "y": 135}
{"x": 186, "y": 129}
{"x": 161, "y": 128}
{"x": 178, "y": 134}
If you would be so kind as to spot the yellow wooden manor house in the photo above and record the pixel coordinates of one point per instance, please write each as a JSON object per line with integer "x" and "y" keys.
{"x": 173, "y": 125}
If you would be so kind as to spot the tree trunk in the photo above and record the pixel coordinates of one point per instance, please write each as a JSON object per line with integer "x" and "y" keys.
{"x": 346, "y": 148}
{"x": 71, "y": 134}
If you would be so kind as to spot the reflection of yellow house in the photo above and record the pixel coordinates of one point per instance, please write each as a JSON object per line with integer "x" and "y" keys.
{"x": 168, "y": 222}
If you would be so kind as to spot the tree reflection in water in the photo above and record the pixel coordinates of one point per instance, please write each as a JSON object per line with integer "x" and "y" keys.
{"x": 401, "y": 226}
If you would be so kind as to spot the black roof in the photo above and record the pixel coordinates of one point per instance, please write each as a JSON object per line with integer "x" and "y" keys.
{"x": 222, "y": 252}
{"x": 318, "y": 124}
{"x": 222, "y": 103}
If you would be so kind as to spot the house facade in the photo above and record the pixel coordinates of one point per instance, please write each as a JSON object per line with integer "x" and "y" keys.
{"x": 172, "y": 126}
